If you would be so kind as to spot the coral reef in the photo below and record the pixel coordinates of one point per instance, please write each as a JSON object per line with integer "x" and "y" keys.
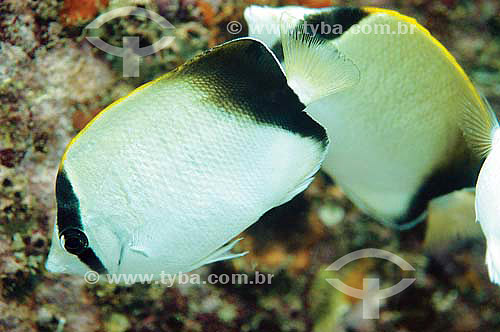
{"x": 52, "y": 82}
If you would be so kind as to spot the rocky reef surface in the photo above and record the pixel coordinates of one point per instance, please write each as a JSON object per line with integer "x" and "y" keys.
{"x": 52, "y": 82}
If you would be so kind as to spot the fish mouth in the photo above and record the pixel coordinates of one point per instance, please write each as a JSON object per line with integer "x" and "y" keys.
{"x": 58, "y": 261}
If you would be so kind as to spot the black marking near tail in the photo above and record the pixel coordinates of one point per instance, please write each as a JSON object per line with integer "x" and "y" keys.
{"x": 457, "y": 175}
{"x": 244, "y": 79}
{"x": 68, "y": 217}
{"x": 327, "y": 24}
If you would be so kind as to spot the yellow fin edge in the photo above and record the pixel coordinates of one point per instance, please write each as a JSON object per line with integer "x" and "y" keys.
{"x": 107, "y": 108}
{"x": 448, "y": 55}
{"x": 145, "y": 85}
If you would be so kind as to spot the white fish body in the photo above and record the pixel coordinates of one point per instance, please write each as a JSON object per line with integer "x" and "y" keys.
{"x": 161, "y": 180}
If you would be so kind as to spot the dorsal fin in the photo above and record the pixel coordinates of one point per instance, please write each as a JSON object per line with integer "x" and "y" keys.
{"x": 478, "y": 123}
{"x": 314, "y": 67}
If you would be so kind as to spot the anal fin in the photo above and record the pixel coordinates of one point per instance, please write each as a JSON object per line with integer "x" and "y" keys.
{"x": 221, "y": 254}
{"x": 451, "y": 218}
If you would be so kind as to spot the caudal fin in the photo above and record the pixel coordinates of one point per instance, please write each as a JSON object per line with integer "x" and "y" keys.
{"x": 314, "y": 67}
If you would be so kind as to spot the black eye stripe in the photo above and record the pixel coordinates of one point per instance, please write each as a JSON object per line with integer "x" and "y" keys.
{"x": 68, "y": 205}
{"x": 90, "y": 258}
{"x": 69, "y": 224}
{"x": 75, "y": 241}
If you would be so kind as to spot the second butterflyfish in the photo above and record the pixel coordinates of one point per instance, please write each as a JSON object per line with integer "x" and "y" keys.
{"x": 397, "y": 138}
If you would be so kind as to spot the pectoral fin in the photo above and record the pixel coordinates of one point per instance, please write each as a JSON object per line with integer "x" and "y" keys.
{"x": 314, "y": 67}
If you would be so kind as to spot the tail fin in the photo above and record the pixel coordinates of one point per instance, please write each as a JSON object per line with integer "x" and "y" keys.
{"x": 314, "y": 67}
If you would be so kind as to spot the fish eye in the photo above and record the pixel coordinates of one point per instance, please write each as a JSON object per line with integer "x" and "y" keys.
{"x": 74, "y": 241}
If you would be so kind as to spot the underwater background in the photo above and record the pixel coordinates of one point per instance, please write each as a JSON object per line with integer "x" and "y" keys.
{"x": 52, "y": 82}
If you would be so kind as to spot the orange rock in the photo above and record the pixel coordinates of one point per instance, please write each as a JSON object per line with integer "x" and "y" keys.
{"x": 274, "y": 257}
{"x": 81, "y": 118}
{"x": 354, "y": 277}
{"x": 310, "y": 3}
{"x": 75, "y": 12}
{"x": 207, "y": 11}
{"x": 316, "y": 3}
{"x": 301, "y": 261}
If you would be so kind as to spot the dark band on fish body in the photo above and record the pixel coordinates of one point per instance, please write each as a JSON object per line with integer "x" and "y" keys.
{"x": 328, "y": 24}
{"x": 460, "y": 172}
{"x": 69, "y": 218}
{"x": 244, "y": 79}
{"x": 277, "y": 49}
{"x": 332, "y": 24}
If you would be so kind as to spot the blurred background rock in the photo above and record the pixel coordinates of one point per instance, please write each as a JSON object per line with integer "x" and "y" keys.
{"x": 52, "y": 82}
